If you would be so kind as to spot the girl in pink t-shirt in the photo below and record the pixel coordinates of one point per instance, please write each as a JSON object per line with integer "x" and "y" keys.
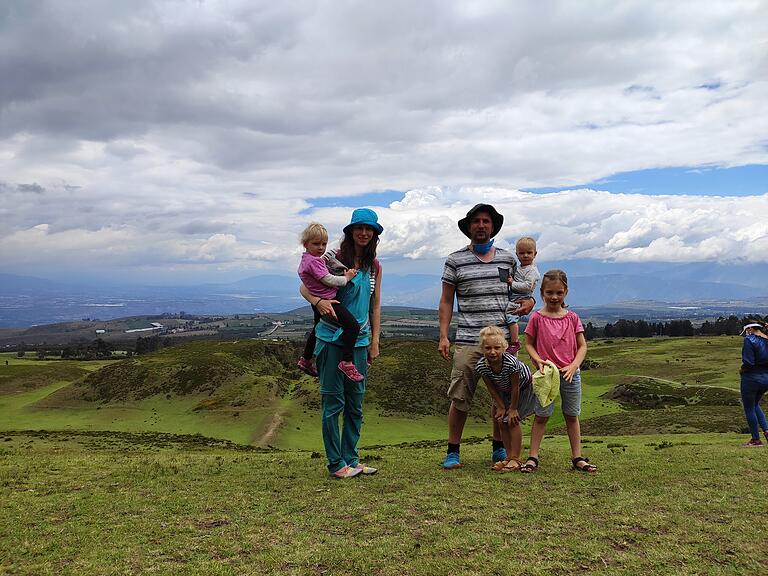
{"x": 314, "y": 274}
{"x": 555, "y": 333}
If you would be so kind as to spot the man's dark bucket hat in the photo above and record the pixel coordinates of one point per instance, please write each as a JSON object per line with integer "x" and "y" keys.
{"x": 496, "y": 218}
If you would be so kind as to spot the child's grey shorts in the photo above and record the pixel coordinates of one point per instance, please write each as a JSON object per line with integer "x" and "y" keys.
{"x": 570, "y": 397}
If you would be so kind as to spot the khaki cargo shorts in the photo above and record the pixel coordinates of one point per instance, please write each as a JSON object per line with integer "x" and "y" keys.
{"x": 463, "y": 376}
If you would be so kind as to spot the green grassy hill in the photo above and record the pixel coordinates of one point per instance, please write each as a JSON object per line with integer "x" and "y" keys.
{"x": 250, "y": 392}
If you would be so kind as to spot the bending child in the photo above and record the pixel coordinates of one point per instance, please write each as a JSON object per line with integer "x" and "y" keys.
{"x": 556, "y": 334}
{"x": 509, "y": 383}
{"x": 314, "y": 274}
{"x": 521, "y": 285}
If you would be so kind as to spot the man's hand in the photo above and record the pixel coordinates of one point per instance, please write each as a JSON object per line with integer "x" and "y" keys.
{"x": 524, "y": 307}
{"x": 514, "y": 417}
{"x": 498, "y": 413}
{"x": 444, "y": 347}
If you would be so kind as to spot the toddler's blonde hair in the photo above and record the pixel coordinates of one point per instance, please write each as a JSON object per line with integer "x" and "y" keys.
{"x": 312, "y": 232}
{"x": 490, "y": 332}
{"x": 525, "y": 242}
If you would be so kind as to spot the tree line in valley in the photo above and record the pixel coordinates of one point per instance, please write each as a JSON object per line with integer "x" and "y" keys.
{"x": 723, "y": 326}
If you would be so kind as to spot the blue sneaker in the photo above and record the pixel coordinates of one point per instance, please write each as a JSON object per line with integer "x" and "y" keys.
{"x": 452, "y": 461}
{"x": 499, "y": 454}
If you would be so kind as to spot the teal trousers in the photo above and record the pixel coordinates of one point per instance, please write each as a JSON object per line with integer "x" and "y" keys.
{"x": 341, "y": 397}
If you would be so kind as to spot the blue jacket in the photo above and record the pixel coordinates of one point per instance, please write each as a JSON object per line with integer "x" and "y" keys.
{"x": 754, "y": 354}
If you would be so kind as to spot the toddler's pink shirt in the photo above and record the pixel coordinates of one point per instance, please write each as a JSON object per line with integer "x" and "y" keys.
{"x": 555, "y": 337}
{"x": 311, "y": 269}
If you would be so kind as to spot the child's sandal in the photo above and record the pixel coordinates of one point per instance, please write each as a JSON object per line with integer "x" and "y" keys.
{"x": 587, "y": 467}
{"x": 530, "y": 466}
{"x": 513, "y": 465}
{"x": 499, "y": 466}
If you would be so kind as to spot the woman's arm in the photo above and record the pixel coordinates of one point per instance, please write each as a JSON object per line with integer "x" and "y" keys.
{"x": 325, "y": 307}
{"x": 375, "y": 316}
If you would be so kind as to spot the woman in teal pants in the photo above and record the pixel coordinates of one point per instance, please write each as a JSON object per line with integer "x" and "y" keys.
{"x": 362, "y": 297}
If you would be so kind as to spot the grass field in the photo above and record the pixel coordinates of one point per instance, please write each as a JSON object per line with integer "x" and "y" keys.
{"x": 137, "y": 484}
{"x": 264, "y": 409}
{"x": 73, "y": 504}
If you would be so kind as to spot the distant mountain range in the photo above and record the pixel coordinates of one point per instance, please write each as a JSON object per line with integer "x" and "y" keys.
{"x": 26, "y": 301}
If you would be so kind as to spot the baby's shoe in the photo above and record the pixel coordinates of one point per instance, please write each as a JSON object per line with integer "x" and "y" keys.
{"x": 513, "y": 348}
{"x": 350, "y": 371}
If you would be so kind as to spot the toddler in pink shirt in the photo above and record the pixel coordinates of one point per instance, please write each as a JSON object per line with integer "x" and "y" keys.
{"x": 314, "y": 273}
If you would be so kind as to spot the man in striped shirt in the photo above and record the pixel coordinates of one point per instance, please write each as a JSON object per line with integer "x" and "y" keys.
{"x": 472, "y": 276}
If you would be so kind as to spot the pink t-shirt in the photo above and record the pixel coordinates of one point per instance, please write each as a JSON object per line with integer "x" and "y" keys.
{"x": 311, "y": 269}
{"x": 555, "y": 337}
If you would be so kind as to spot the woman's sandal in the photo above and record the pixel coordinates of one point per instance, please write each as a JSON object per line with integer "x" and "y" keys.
{"x": 499, "y": 466}
{"x": 587, "y": 467}
{"x": 530, "y": 466}
{"x": 513, "y": 465}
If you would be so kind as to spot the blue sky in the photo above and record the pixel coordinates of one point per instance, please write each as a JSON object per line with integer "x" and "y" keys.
{"x": 704, "y": 181}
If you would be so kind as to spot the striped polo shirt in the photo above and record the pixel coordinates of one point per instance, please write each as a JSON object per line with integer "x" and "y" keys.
{"x": 480, "y": 295}
{"x": 509, "y": 366}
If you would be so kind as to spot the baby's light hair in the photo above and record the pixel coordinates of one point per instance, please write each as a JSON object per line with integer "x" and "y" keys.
{"x": 525, "y": 242}
{"x": 312, "y": 232}
{"x": 492, "y": 332}
{"x": 555, "y": 275}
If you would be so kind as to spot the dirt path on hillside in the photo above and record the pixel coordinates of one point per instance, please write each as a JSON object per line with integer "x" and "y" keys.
{"x": 274, "y": 425}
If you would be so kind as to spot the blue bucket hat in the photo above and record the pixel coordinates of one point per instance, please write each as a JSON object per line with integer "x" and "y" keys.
{"x": 367, "y": 217}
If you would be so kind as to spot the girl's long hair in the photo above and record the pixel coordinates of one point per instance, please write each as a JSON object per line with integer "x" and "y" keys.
{"x": 346, "y": 254}
{"x": 555, "y": 275}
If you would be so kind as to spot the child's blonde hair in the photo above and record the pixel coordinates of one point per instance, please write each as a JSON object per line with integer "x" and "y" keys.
{"x": 525, "y": 242}
{"x": 492, "y": 332}
{"x": 555, "y": 275}
{"x": 313, "y": 231}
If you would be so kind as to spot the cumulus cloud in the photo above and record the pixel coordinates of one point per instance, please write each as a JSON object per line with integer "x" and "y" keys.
{"x": 183, "y": 133}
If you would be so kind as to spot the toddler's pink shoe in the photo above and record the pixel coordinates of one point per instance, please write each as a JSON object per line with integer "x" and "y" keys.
{"x": 350, "y": 371}
{"x": 307, "y": 366}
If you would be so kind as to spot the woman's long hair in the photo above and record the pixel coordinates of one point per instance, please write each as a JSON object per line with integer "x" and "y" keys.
{"x": 346, "y": 254}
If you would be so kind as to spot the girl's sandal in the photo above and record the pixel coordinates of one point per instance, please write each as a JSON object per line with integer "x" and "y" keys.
{"x": 513, "y": 465}
{"x": 530, "y": 466}
{"x": 499, "y": 466}
{"x": 586, "y": 467}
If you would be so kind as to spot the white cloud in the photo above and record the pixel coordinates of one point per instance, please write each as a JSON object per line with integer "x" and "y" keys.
{"x": 176, "y": 134}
